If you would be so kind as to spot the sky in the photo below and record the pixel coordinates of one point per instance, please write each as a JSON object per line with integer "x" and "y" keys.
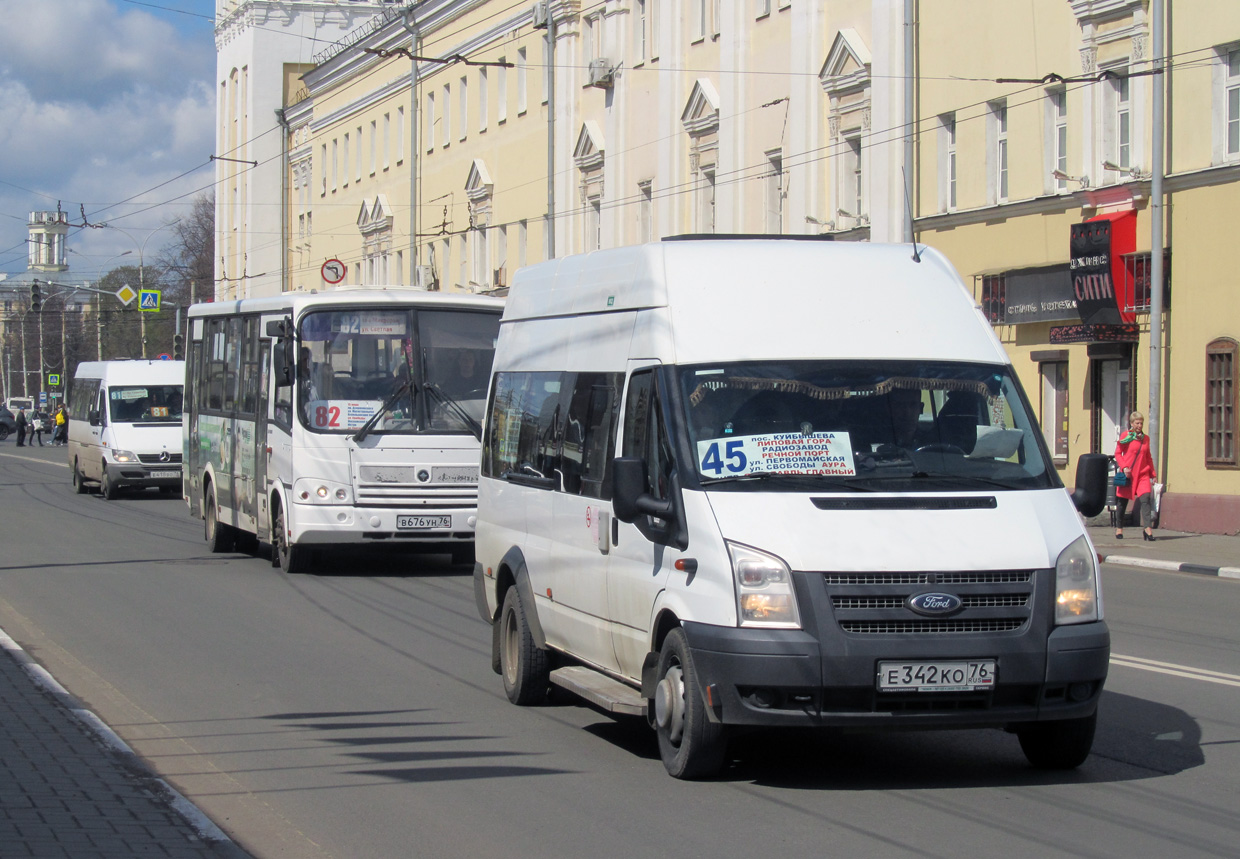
{"x": 107, "y": 105}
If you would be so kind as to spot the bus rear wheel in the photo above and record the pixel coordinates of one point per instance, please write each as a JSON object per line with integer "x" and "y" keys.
{"x": 293, "y": 559}
{"x": 219, "y": 536}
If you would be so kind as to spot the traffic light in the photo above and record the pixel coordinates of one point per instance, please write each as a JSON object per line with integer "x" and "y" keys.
{"x": 36, "y": 297}
{"x": 178, "y": 347}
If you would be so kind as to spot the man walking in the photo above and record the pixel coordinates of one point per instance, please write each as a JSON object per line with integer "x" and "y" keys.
{"x": 21, "y": 427}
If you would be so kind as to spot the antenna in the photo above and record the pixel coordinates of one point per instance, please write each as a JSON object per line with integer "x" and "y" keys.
{"x": 908, "y": 203}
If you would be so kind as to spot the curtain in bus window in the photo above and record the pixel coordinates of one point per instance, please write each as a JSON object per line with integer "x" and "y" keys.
{"x": 590, "y": 433}
{"x": 523, "y": 433}
{"x": 250, "y": 376}
{"x": 213, "y": 367}
{"x": 232, "y": 363}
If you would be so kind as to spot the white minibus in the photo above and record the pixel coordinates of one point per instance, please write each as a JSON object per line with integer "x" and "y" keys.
{"x": 125, "y": 425}
{"x": 782, "y": 483}
{"x": 342, "y": 418}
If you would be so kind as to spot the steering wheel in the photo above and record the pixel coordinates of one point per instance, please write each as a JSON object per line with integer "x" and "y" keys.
{"x": 940, "y": 447}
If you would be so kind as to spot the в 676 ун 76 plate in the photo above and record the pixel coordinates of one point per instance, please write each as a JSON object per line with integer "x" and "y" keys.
{"x": 412, "y": 523}
{"x": 946, "y": 676}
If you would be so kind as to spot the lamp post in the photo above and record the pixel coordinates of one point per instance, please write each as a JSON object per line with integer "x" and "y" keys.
{"x": 141, "y": 269}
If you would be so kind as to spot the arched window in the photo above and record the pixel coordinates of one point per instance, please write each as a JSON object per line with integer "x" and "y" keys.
{"x": 1221, "y": 403}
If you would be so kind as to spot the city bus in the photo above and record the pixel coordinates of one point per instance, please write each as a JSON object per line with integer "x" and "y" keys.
{"x": 345, "y": 418}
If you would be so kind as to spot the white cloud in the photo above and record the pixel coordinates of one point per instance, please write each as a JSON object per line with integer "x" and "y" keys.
{"x": 100, "y": 102}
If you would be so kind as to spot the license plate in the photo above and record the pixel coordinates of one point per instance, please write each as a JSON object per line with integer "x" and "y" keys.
{"x": 454, "y": 474}
{"x": 945, "y": 676}
{"x": 414, "y": 523}
{"x": 159, "y": 474}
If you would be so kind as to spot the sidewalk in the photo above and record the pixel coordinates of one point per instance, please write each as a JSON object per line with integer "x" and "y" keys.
{"x": 69, "y": 790}
{"x": 1174, "y": 551}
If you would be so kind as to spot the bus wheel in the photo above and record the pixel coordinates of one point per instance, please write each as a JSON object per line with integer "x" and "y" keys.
{"x": 526, "y": 669}
{"x": 1061, "y": 745}
{"x": 79, "y": 485}
{"x": 219, "y": 537}
{"x": 293, "y": 559}
{"x": 690, "y": 744}
{"x": 107, "y": 487}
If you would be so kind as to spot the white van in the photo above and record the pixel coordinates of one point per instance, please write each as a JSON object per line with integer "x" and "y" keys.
{"x": 781, "y": 483}
{"x": 125, "y": 425}
{"x": 15, "y": 403}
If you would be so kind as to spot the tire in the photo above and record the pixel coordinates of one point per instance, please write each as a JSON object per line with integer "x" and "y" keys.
{"x": 1062, "y": 745}
{"x": 292, "y": 559}
{"x": 4, "y": 433}
{"x": 690, "y": 745}
{"x": 108, "y": 488}
{"x": 79, "y": 484}
{"x": 220, "y": 537}
{"x": 525, "y": 668}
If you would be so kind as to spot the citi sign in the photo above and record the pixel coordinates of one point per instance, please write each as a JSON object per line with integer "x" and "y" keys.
{"x": 1092, "y": 286}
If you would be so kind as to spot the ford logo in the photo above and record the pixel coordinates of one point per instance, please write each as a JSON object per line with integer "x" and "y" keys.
{"x": 935, "y": 604}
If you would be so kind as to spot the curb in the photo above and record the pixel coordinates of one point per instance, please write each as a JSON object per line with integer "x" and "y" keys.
{"x": 1171, "y": 566}
{"x": 203, "y": 825}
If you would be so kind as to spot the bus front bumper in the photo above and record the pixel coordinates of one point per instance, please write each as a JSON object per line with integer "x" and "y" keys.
{"x": 323, "y": 524}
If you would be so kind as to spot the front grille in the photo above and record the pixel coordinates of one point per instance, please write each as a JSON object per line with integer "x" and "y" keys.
{"x": 153, "y": 459}
{"x": 877, "y": 603}
{"x": 928, "y": 627}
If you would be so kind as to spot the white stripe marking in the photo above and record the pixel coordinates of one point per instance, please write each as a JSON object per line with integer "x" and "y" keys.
{"x": 1176, "y": 670}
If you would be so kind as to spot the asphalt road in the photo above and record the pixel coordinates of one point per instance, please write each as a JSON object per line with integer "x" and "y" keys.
{"x": 353, "y": 713}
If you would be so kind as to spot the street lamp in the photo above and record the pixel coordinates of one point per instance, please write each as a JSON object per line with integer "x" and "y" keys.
{"x": 141, "y": 268}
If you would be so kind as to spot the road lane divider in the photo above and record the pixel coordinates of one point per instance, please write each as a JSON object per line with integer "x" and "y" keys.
{"x": 1176, "y": 670}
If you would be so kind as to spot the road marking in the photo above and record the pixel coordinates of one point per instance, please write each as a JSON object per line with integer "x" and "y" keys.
{"x": 1176, "y": 670}
{"x": 30, "y": 459}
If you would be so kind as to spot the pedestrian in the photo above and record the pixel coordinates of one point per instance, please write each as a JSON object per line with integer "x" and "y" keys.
{"x": 36, "y": 427}
{"x": 61, "y": 434}
{"x": 1134, "y": 476}
{"x": 21, "y": 427}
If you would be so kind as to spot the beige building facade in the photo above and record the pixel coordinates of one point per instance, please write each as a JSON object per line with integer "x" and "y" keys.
{"x": 448, "y": 145}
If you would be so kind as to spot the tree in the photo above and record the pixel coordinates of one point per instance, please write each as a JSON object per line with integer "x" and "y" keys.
{"x": 188, "y": 262}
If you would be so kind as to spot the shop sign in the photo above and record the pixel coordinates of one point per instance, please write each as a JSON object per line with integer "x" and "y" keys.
{"x": 1124, "y": 333}
{"x": 1097, "y": 267}
{"x": 1041, "y": 294}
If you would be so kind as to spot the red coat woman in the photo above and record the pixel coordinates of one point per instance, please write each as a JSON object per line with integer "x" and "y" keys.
{"x": 1133, "y": 458}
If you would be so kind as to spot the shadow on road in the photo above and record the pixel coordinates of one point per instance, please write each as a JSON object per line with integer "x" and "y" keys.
{"x": 1136, "y": 739}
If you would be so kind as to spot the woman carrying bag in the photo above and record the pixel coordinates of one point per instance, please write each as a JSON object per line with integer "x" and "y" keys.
{"x": 1134, "y": 476}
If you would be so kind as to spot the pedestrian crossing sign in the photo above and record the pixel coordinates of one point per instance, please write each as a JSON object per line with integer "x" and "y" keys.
{"x": 148, "y": 300}
{"x": 53, "y": 379}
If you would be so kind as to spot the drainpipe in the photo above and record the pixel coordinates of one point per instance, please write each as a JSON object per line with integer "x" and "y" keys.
{"x": 1156, "y": 243}
{"x": 415, "y": 155}
{"x": 284, "y": 144}
{"x": 910, "y": 118}
{"x": 550, "y": 242}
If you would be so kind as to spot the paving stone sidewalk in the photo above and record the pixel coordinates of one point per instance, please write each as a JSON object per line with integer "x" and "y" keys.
{"x": 65, "y": 793}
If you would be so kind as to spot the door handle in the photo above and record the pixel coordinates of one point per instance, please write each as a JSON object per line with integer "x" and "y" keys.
{"x": 604, "y": 532}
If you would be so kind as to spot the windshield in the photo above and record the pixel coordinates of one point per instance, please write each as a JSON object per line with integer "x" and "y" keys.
{"x": 862, "y": 426}
{"x": 425, "y": 371}
{"x": 144, "y": 404}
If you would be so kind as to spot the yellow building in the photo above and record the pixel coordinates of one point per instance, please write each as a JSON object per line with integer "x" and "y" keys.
{"x": 1012, "y": 161}
{"x": 445, "y": 146}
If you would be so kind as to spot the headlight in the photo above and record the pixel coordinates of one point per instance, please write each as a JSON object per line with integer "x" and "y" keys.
{"x": 310, "y": 491}
{"x": 124, "y": 455}
{"x": 1077, "y": 595}
{"x": 764, "y": 594}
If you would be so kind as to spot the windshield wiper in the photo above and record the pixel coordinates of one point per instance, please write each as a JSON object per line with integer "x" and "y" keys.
{"x": 451, "y": 403}
{"x": 365, "y": 428}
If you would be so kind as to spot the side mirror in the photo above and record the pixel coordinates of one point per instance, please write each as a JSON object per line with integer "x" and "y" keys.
{"x": 1090, "y": 494}
{"x": 282, "y": 329}
{"x": 629, "y": 496}
{"x": 92, "y": 417}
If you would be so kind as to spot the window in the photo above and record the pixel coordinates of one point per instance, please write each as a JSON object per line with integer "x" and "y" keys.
{"x": 323, "y": 170}
{"x": 594, "y": 224}
{"x": 335, "y": 162}
{"x": 1123, "y": 123}
{"x": 482, "y": 100}
{"x": 589, "y": 434}
{"x": 523, "y": 237}
{"x": 1233, "y": 102}
{"x": 521, "y": 82}
{"x": 947, "y": 162}
{"x": 994, "y": 298}
{"x": 1059, "y": 143}
{"x": 699, "y": 8}
{"x": 645, "y": 211}
{"x": 706, "y": 200}
{"x": 463, "y": 122}
{"x": 1221, "y": 403}
{"x": 852, "y": 180}
{"x": 523, "y": 431}
{"x": 641, "y": 49}
{"x": 400, "y": 134}
{"x": 773, "y": 191}
{"x": 1055, "y": 408}
{"x": 501, "y": 93}
{"x": 999, "y": 152}
{"x": 762, "y": 8}
{"x": 446, "y": 121}
{"x": 374, "y": 141}
{"x": 644, "y": 434}
{"x": 346, "y": 160}
{"x": 359, "y": 153}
